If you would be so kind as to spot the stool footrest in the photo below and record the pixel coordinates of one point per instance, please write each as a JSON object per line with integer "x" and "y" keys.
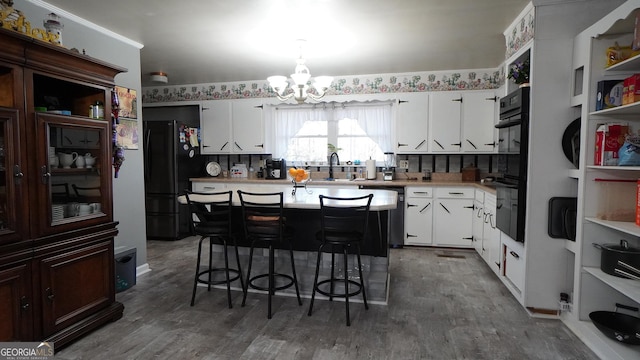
{"x": 276, "y": 275}
{"x": 341, "y": 282}
{"x": 233, "y": 275}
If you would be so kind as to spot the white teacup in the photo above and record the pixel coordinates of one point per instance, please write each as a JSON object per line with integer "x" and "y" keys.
{"x": 89, "y": 160}
{"x": 84, "y": 209}
{"x": 275, "y": 173}
{"x": 54, "y": 162}
{"x": 67, "y": 159}
{"x": 96, "y": 207}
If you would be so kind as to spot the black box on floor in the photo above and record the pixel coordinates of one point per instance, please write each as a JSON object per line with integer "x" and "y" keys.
{"x": 125, "y": 258}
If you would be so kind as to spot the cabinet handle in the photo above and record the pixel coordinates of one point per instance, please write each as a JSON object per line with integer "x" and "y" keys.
{"x": 494, "y": 99}
{"x": 259, "y": 146}
{"x": 491, "y": 222}
{"x": 437, "y": 143}
{"x": 497, "y": 264}
{"x": 409, "y": 205}
{"x": 24, "y": 304}
{"x": 50, "y": 295}
{"x": 513, "y": 253}
{"x": 45, "y": 174}
{"x": 17, "y": 173}
{"x": 209, "y": 187}
{"x": 402, "y": 101}
{"x": 258, "y": 107}
{"x": 479, "y": 208}
{"x": 69, "y": 140}
{"x": 399, "y": 144}
{"x": 420, "y": 145}
{"x": 223, "y": 146}
{"x": 445, "y": 208}
{"x": 460, "y": 99}
{"x": 457, "y": 144}
{"x": 238, "y": 146}
{"x": 491, "y": 144}
{"x": 421, "y": 192}
{"x": 468, "y": 238}
{"x": 472, "y": 144}
{"x": 455, "y": 193}
{"x": 468, "y": 207}
{"x": 409, "y": 235}
{"x": 425, "y": 208}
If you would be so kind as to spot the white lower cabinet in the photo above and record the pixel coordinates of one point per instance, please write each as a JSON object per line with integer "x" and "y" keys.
{"x": 418, "y": 216}
{"x": 514, "y": 265}
{"x": 452, "y": 221}
{"x": 478, "y": 222}
{"x": 491, "y": 234}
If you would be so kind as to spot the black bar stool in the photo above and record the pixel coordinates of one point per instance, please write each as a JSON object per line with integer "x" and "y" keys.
{"x": 211, "y": 219}
{"x": 264, "y": 223}
{"x": 343, "y": 224}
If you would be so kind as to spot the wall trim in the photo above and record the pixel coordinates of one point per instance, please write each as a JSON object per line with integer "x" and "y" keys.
{"x": 86, "y": 23}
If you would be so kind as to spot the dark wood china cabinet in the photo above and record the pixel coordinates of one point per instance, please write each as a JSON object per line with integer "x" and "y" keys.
{"x": 56, "y": 202}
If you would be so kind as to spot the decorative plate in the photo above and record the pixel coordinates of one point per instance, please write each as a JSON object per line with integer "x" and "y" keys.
{"x": 213, "y": 168}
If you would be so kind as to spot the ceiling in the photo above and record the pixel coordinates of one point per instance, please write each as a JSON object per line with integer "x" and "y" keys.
{"x": 196, "y": 41}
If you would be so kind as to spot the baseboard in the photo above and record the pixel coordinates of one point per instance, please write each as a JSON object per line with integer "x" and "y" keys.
{"x": 142, "y": 269}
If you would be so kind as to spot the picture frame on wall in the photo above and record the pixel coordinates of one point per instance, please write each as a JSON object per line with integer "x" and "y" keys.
{"x": 127, "y": 134}
{"x": 128, "y": 102}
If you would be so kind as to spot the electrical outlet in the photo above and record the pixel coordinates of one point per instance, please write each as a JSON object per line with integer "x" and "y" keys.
{"x": 404, "y": 164}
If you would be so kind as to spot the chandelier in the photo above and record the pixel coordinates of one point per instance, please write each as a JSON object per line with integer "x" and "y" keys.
{"x": 300, "y": 83}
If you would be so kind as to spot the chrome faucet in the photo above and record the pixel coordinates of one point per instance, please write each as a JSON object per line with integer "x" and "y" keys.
{"x": 331, "y": 163}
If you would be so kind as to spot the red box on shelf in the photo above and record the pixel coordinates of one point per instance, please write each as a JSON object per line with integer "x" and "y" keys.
{"x": 609, "y": 138}
{"x": 633, "y": 92}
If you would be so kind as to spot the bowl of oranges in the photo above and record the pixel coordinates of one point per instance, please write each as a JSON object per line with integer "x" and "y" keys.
{"x": 299, "y": 178}
{"x": 299, "y": 175}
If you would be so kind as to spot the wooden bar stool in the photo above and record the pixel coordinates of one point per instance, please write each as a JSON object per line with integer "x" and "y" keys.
{"x": 264, "y": 223}
{"x": 211, "y": 219}
{"x": 343, "y": 224}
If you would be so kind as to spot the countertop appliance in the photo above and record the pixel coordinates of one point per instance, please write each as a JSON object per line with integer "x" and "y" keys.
{"x": 169, "y": 162}
{"x": 276, "y": 168}
{"x": 389, "y": 166}
{"x": 513, "y": 152}
{"x": 396, "y": 216}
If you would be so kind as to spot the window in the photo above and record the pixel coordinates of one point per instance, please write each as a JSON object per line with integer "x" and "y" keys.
{"x": 360, "y": 130}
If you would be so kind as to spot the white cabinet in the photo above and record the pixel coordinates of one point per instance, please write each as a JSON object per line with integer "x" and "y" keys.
{"x": 463, "y": 121}
{"x": 247, "y": 126}
{"x": 452, "y": 221}
{"x": 232, "y": 126}
{"x": 491, "y": 234}
{"x": 478, "y": 221}
{"x": 418, "y": 215}
{"x": 445, "y": 110}
{"x": 215, "y": 126}
{"x": 479, "y": 109}
{"x": 514, "y": 266}
{"x": 412, "y": 121}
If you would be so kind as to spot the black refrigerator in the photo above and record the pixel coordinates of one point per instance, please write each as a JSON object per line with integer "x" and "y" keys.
{"x": 170, "y": 160}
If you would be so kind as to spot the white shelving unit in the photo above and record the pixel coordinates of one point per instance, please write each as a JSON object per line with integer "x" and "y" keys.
{"x": 594, "y": 290}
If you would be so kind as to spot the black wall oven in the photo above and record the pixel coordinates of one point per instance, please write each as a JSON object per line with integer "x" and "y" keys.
{"x": 513, "y": 145}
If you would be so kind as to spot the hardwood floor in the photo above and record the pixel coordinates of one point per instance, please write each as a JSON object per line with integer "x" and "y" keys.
{"x": 440, "y": 307}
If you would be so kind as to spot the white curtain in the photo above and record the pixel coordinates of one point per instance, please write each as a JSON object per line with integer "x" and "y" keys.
{"x": 374, "y": 118}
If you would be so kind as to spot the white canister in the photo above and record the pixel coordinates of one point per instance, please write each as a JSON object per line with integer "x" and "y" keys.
{"x": 371, "y": 169}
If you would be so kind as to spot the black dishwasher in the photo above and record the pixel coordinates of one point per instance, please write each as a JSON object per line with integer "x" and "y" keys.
{"x": 396, "y": 216}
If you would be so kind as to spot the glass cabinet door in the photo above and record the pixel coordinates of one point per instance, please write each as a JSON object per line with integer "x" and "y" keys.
{"x": 75, "y": 171}
{"x": 10, "y": 178}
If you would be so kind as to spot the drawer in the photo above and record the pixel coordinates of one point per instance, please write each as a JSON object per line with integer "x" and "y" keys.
{"x": 514, "y": 266}
{"x": 208, "y": 187}
{"x": 455, "y": 192}
{"x": 418, "y": 191}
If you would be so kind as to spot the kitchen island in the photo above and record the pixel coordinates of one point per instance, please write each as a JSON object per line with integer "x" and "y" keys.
{"x": 302, "y": 213}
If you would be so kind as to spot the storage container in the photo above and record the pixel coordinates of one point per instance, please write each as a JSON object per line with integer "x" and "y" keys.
{"x": 125, "y": 258}
{"x": 616, "y": 199}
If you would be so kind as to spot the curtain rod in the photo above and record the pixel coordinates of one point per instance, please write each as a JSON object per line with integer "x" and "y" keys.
{"x": 334, "y": 104}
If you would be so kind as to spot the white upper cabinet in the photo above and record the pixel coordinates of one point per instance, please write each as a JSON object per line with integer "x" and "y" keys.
{"x": 247, "y": 126}
{"x": 479, "y": 110}
{"x": 463, "y": 121}
{"x": 216, "y": 127}
{"x": 232, "y": 126}
{"x": 444, "y": 115}
{"x": 412, "y": 122}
